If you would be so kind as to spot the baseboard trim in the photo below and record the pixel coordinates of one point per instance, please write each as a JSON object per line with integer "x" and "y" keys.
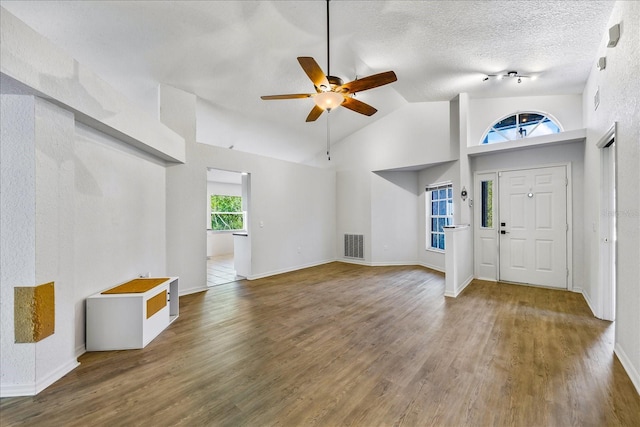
{"x": 394, "y": 263}
{"x": 588, "y": 300}
{"x": 459, "y": 291}
{"x": 431, "y": 267}
{"x": 354, "y": 261}
{"x": 288, "y": 270}
{"x": 80, "y": 350}
{"x": 15, "y": 390}
{"x": 192, "y": 291}
{"x": 628, "y": 366}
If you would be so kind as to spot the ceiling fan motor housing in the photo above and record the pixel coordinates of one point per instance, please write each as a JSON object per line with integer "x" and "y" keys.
{"x": 334, "y": 82}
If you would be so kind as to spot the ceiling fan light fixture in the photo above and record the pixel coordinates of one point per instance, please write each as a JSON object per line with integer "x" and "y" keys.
{"x": 328, "y": 100}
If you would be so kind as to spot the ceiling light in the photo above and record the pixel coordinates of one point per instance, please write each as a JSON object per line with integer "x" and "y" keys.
{"x": 328, "y": 100}
{"x": 509, "y": 74}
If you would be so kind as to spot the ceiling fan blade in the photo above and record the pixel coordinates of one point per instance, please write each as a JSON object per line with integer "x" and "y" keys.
{"x": 313, "y": 70}
{"x": 370, "y": 82}
{"x": 289, "y": 96}
{"x": 358, "y": 106}
{"x": 314, "y": 114}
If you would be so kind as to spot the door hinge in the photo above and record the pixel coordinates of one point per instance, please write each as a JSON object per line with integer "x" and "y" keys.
{"x": 567, "y": 272}
{"x": 567, "y": 227}
{"x": 566, "y": 182}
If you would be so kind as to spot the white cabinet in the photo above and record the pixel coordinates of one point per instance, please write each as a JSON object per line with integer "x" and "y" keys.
{"x": 132, "y": 314}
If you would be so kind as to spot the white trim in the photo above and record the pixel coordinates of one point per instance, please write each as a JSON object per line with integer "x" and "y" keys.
{"x": 608, "y": 136}
{"x": 477, "y": 229}
{"x": 394, "y": 263}
{"x": 192, "y": 291}
{"x": 518, "y": 112}
{"x": 634, "y": 376}
{"x": 587, "y": 298}
{"x": 606, "y": 272}
{"x": 432, "y": 267}
{"x": 438, "y": 185}
{"x": 354, "y": 261}
{"x": 569, "y": 195}
{"x": 31, "y": 389}
{"x": 288, "y": 270}
{"x": 446, "y": 185}
{"x": 81, "y": 349}
{"x": 567, "y": 137}
{"x": 460, "y": 289}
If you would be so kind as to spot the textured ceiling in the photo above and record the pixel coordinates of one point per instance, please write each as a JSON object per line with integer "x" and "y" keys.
{"x": 231, "y": 52}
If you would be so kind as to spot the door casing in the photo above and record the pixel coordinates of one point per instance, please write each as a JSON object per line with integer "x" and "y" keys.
{"x": 478, "y": 177}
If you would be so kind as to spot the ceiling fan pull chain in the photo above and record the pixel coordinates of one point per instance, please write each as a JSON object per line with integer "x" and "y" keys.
{"x": 328, "y": 136}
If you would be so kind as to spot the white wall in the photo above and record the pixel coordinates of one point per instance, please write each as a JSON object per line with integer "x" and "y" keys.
{"x": 619, "y": 87}
{"x": 483, "y": 112}
{"x": 55, "y": 227}
{"x": 446, "y": 172}
{"x": 413, "y": 136}
{"x": 37, "y": 237}
{"x": 353, "y": 208}
{"x": 50, "y": 72}
{"x": 572, "y": 153}
{"x": 93, "y": 209}
{"x": 394, "y": 217}
{"x": 220, "y": 242}
{"x": 119, "y": 216}
{"x": 218, "y": 126}
{"x": 416, "y": 134}
{"x": 292, "y": 206}
{"x": 17, "y": 228}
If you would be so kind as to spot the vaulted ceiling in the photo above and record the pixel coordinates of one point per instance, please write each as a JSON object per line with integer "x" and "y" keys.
{"x": 229, "y": 53}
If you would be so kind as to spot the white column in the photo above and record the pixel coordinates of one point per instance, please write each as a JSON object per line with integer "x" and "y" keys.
{"x": 458, "y": 259}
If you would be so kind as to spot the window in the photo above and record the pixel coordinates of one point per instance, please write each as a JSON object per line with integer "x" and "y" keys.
{"x": 521, "y": 125}
{"x": 439, "y": 200}
{"x": 486, "y": 204}
{"x": 227, "y": 213}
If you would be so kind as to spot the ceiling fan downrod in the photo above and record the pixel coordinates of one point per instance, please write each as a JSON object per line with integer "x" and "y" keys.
{"x": 328, "y": 60}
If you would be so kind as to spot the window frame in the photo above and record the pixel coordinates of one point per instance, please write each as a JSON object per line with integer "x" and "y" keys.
{"x": 442, "y": 220}
{"x": 240, "y": 212}
{"x": 528, "y": 133}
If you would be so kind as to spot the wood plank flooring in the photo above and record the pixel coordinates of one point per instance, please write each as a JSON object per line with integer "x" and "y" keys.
{"x": 343, "y": 344}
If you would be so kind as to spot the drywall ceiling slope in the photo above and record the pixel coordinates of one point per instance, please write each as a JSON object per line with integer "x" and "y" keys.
{"x": 229, "y": 53}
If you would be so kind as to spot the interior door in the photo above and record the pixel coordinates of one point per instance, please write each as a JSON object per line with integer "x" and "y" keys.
{"x": 533, "y": 226}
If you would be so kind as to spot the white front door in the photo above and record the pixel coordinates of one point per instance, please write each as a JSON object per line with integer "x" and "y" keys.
{"x": 533, "y": 226}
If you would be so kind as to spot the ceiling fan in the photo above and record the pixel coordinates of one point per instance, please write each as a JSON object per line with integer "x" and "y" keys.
{"x": 331, "y": 91}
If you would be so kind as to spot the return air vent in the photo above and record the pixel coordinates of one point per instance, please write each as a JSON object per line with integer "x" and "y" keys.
{"x": 354, "y": 246}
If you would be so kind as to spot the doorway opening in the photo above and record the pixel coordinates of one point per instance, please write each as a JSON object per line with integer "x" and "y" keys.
{"x": 523, "y": 233}
{"x": 226, "y": 206}
{"x": 607, "y": 226}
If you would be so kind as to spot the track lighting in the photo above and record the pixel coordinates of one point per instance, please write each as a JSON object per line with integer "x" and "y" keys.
{"x": 509, "y": 74}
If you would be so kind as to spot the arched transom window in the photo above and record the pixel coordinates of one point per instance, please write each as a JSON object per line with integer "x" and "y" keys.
{"x": 521, "y": 125}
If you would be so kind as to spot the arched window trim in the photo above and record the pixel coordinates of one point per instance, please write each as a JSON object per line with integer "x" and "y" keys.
{"x": 517, "y": 113}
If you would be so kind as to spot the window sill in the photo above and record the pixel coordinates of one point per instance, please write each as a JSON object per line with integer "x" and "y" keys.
{"x": 438, "y": 251}
{"x": 566, "y": 137}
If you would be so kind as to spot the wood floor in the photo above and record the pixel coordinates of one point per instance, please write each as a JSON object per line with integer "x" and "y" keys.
{"x": 343, "y": 344}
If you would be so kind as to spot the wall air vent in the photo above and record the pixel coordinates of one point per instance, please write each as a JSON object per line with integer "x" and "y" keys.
{"x": 354, "y": 246}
